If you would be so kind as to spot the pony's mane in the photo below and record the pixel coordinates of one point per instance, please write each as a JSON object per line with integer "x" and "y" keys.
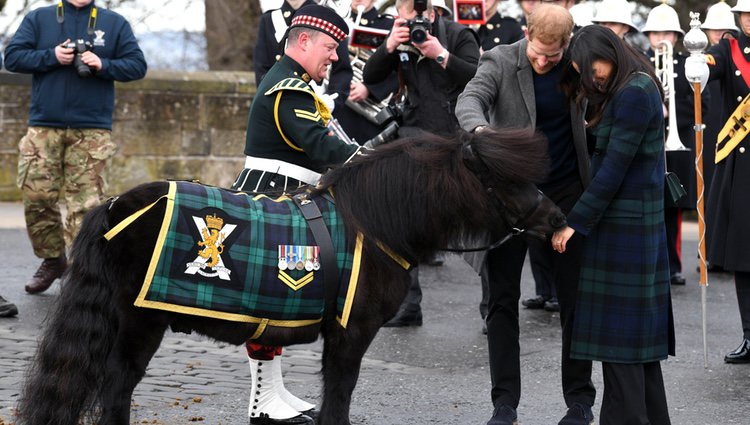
{"x": 426, "y": 180}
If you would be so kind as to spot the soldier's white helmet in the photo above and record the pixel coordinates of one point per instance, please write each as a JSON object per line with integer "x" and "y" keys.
{"x": 618, "y": 11}
{"x": 441, "y": 4}
{"x": 719, "y": 17}
{"x": 582, "y": 14}
{"x": 663, "y": 18}
{"x": 742, "y": 6}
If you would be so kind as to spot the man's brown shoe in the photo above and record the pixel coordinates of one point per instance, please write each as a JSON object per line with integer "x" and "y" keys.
{"x": 51, "y": 269}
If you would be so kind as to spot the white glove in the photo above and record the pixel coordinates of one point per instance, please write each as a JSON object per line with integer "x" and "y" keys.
{"x": 322, "y": 95}
{"x": 328, "y": 99}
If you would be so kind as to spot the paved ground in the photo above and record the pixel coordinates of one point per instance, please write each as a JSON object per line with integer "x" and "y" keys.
{"x": 436, "y": 374}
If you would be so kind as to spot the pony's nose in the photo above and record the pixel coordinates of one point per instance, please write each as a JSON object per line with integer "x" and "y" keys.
{"x": 558, "y": 220}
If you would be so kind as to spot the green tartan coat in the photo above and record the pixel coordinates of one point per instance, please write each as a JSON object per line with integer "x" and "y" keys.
{"x": 623, "y": 310}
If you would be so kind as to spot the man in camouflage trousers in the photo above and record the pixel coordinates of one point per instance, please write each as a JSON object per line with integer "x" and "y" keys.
{"x": 75, "y": 53}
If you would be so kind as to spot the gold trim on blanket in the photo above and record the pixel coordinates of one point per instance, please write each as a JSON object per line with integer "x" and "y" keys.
{"x": 353, "y": 279}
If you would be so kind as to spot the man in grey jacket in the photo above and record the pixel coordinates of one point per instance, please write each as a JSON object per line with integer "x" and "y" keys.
{"x": 518, "y": 86}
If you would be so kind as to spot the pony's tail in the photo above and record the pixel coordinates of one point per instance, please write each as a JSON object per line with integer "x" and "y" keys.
{"x": 65, "y": 377}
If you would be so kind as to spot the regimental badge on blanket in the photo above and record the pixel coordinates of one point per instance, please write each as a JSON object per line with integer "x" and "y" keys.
{"x": 213, "y": 234}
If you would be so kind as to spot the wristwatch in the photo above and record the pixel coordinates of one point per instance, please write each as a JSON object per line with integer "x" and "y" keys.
{"x": 440, "y": 58}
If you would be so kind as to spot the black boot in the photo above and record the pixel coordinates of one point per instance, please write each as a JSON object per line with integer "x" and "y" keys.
{"x": 7, "y": 308}
{"x": 740, "y": 355}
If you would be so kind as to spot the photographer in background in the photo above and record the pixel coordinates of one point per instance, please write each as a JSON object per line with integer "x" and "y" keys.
{"x": 75, "y": 52}
{"x": 434, "y": 58}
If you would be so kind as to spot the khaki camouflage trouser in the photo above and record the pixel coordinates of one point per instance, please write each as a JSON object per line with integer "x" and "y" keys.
{"x": 52, "y": 161}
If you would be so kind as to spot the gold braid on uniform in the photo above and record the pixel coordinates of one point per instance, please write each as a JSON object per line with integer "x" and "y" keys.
{"x": 297, "y": 84}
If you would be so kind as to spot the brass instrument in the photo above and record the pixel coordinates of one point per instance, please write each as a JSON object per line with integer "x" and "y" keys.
{"x": 664, "y": 68}
{"x": 368, "y": 108}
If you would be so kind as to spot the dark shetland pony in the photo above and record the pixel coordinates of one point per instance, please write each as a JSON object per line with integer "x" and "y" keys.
{"x": 415, "y": 195}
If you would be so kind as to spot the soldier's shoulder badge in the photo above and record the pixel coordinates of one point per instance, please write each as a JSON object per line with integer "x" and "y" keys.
{"x": 710, "y": 60}
{"x": 291, "y": 83}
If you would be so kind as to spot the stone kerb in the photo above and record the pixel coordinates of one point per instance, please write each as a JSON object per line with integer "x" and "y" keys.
{"x": 170, "y": 125}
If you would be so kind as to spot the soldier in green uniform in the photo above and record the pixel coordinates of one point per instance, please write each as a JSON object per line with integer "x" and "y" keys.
{"x": 289, "y": 144}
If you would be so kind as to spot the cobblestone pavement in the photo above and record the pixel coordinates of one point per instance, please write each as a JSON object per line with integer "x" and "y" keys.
{"x": 435, "y": 374}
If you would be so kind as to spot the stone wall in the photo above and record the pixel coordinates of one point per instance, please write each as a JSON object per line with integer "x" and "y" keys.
{"x": 170, "y": 125}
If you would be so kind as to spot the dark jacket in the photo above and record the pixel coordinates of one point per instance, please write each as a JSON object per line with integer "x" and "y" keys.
{"x": 499, "y": 30}
{"x": 729, "y": 228}
{"x": 432, "y": 90}
{"x": 268, "y": 50}
{"x": 60, "y": 98}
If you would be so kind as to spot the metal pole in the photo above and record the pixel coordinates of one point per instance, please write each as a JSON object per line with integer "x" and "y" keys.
{"x": 696, "y": 72}
{"x": 701, "y": 210}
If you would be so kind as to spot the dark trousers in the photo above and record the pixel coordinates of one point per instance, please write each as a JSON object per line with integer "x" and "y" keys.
{"x": 742, "y": 284}
{"x": 541, "y": 269}
{"x": 413, "y": 299}
{"x": 673, "y": 223}
{"x": 505, "y": 264}
{"x": 633, "y": 395}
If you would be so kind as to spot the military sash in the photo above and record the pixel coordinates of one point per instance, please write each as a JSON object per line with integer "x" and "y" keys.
{"x": 734, "y": 131}
{"x": 736, "y": 128}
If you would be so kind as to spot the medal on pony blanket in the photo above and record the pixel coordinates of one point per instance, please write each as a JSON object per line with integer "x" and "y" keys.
{"x": 316, "y": 262}
{"x": 300, "y": 265}
{"x": 282, "y": 257}
{"x": 308, "y": 258}
{"x": 290, "y": 258}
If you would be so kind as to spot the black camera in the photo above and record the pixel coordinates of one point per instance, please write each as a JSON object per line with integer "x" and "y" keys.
{"x": 419, "y": 26}
{"x": 389, "y": 118}
{"x": 79, "y": 47}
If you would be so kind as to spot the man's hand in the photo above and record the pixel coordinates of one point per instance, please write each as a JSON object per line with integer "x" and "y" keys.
{"x": 430, "y": 48}
{"x": 358, "y": 92}
{"x": 92, "y": 60}
{"x": 63, "y": 54}
{"x": 399, "y": 34}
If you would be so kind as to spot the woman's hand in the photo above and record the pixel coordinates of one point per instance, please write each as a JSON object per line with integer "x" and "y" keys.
{"x": 560, "y": 239}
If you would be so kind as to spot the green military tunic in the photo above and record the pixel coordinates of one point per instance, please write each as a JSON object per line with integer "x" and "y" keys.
{"x": 287, "y": 121}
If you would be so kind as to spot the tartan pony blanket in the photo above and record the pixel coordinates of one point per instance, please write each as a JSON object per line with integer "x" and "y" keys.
{"x": 231, "y": 256}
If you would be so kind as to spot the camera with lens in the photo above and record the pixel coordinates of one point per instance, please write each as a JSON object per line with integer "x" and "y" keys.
{"x": 420, "y": 26}
{"x": 79, "y": 47}
{"x": 389, "y": 118}
{"x": 390, "y": 113}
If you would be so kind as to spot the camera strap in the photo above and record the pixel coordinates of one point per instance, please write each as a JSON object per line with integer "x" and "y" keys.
{"x": 92, "y": 17}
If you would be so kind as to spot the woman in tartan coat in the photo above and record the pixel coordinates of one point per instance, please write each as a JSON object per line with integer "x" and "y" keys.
{"x": 623, "y": 312}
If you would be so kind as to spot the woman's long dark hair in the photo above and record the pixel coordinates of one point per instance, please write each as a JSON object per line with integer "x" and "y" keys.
{"x": 594, "y": 42}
